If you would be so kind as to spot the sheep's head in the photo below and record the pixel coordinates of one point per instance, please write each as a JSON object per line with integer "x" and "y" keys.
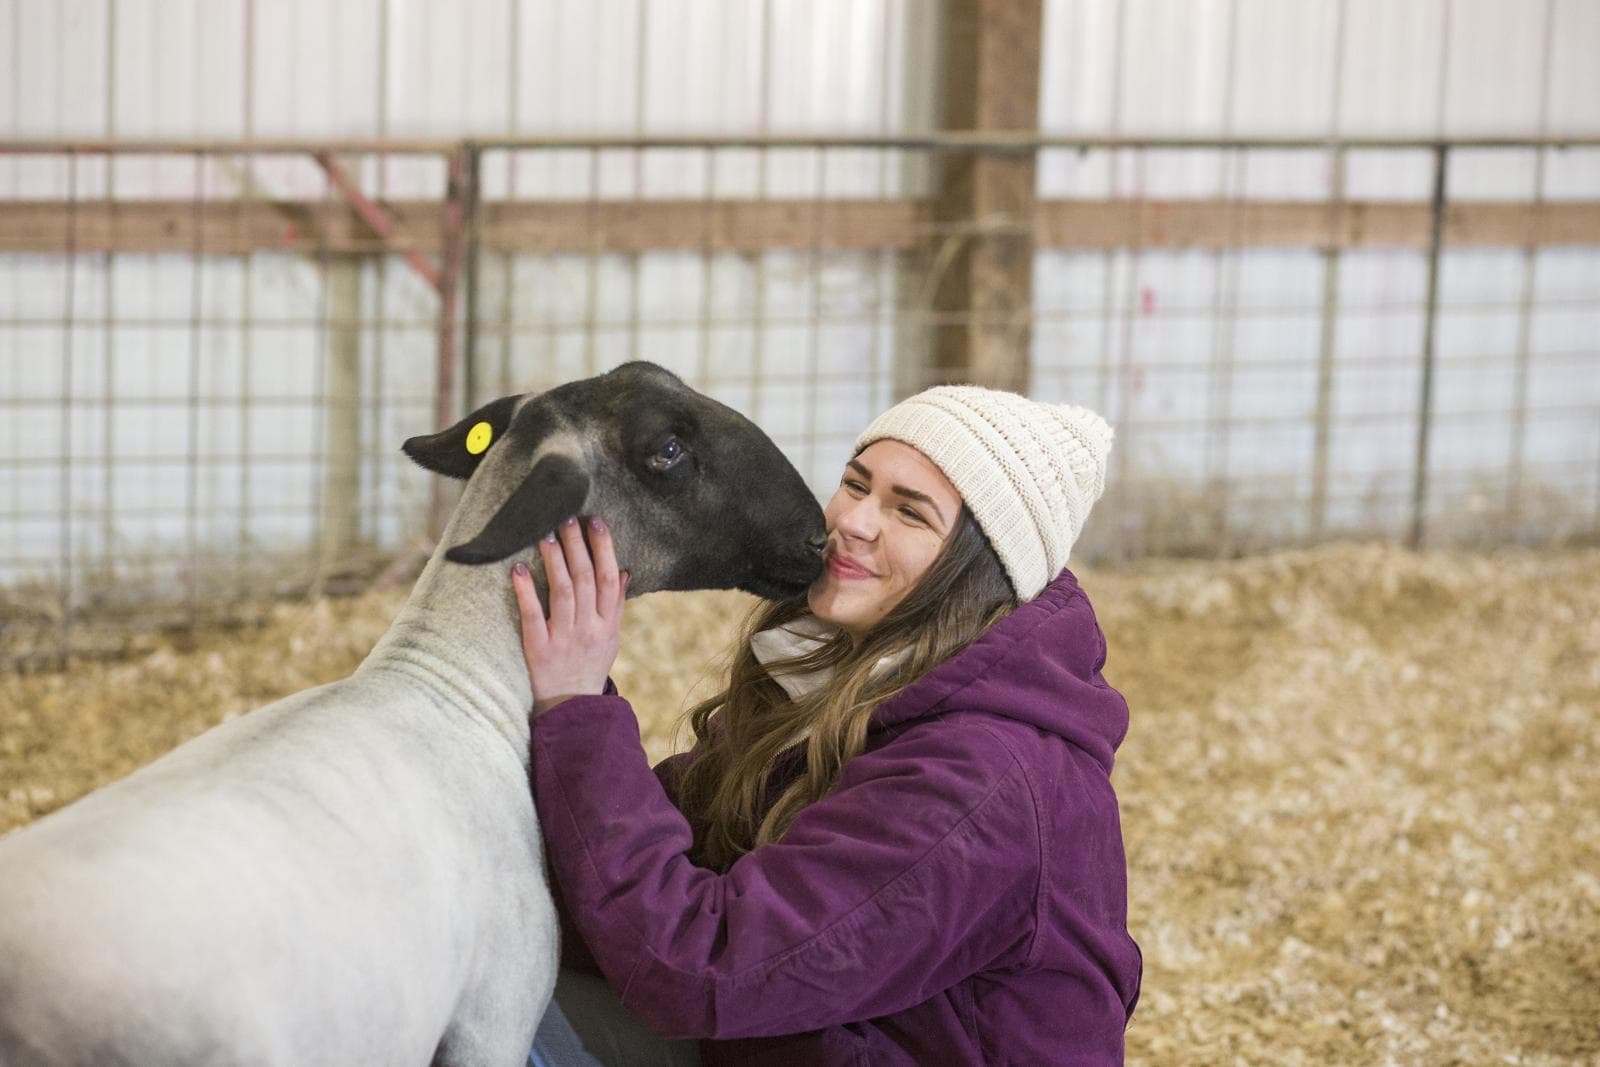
{"x": 697, "y": 496}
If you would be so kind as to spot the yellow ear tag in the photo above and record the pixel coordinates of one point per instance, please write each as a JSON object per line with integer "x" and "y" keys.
{"x": 478, "y": 438}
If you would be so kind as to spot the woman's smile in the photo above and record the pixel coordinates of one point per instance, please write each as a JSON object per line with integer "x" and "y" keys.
{"x": 846, "y": 569}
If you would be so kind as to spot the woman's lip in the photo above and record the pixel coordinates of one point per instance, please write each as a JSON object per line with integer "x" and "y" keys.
{"x": 840, "y": 567}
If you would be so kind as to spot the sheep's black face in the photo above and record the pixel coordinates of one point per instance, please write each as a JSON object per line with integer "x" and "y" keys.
{"x": 696, "y": 495}
{"x": 711, "y": 500}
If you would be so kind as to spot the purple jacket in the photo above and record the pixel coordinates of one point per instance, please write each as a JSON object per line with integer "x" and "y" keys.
{"x": 961, "y": 898}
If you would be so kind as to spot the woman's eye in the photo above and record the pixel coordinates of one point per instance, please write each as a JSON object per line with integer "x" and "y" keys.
{"x": 853, "y": 485}
{"x": 912, "y": 514}
{"x": 667, "y": 456}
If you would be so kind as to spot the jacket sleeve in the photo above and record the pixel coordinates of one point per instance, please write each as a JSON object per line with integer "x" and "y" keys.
{"x": 670, "y": 770}
{"x": 920, "y": 870}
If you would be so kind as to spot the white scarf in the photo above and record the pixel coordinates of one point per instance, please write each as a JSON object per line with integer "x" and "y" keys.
{"x": 797, "y": 638}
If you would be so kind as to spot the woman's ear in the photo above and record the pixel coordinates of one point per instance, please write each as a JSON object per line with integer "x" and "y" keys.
{"x": 456, "y": 452}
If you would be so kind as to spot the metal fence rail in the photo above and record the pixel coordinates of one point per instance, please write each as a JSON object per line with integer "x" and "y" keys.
{"x": 209, "y": 352}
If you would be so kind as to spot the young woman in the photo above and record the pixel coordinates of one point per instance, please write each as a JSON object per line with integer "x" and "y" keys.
{"x": 895, "y": 840}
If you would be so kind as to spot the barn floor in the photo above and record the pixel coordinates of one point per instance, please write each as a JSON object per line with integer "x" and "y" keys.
{"x": 1359, "y": 793}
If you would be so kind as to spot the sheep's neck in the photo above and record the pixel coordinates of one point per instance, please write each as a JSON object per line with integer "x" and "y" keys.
{"x": 457, "y": 637}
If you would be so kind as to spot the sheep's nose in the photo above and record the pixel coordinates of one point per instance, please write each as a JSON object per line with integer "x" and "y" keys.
{"x": 818, "y": 543}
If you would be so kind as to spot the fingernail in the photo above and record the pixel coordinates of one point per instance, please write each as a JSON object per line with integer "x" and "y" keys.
{"x": 570, "y": 520}
{"x": 520, "y": 569}
{"x": 550, "y": 538}
{"x": 597, "y": 524}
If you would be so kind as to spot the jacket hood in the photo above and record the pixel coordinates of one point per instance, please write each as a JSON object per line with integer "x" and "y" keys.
{"x": 1040, "y": 665}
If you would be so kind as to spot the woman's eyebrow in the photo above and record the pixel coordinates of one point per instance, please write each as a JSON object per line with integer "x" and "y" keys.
{"x": 901, "y": 490}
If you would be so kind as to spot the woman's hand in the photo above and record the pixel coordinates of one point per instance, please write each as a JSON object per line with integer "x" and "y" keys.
{"x": 571, "y": 653}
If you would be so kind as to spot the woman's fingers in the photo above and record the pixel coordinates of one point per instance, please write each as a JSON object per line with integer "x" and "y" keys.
{"x": 558, "y": 582}
{"x": 607, "y": 580}
{"x": 579, "y": 566}
{"x": 534, "y": 632}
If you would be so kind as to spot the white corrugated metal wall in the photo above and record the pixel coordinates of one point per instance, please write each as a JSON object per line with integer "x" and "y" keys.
{"x": 1206, "y": 338}
{"x": 1163, "y": 323}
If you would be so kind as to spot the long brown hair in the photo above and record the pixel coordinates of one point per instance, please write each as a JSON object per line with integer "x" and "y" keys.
{"x": 741, "y": 732}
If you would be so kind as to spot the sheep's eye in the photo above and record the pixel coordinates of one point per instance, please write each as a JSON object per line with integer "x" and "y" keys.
{"x": 667, "y": 456}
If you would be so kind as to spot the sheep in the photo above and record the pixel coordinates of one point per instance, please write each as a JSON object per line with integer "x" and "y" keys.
{"x": 354, "y": 874}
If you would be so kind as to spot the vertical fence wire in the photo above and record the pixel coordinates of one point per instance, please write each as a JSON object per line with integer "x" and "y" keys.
{"x": 68, "y": 322}
{"x": 1225, "y": 267}
{"x": 706, "y": 308}
{"x": 591, "y": 286}
{"x": 192, "y": 466}
{"x": 377, "y": 341}
{"x": 317, "y": 497}
{"x": 762, "y": 257}
{"x": 1530, "y": 286}
{"x": 814, "y": 317}
{"x": 1430, "y": 314}
{"x": 1430, "y": 334}
{"x": 1125, "y": 529}
{"x": 1123, "y": 534}
{"x": 471, "y": 253}
{"x": 1327, "y": 343}
{"x": 508, "y": 261}
{"x": 1332, "y": 264}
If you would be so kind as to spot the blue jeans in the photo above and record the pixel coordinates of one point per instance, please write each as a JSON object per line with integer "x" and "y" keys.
{"x": 587, "y": 1026}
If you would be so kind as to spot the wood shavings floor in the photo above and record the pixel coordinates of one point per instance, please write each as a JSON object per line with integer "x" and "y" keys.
{"x": 1361, "y": 793}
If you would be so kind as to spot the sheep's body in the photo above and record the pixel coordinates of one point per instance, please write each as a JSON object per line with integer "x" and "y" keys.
{"x": 354, "y": 875}
{"x": 350, "y": 875}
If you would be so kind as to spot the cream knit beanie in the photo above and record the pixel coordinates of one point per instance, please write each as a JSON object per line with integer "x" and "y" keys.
{"x": 1029, "y": 472}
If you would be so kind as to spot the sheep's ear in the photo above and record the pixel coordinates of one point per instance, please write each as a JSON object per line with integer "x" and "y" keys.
{"x": 553, "y": 490}
{"x": 456, "y": 452}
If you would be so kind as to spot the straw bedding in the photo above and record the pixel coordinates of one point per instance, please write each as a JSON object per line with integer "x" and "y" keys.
{"x": 1359, "y": 793}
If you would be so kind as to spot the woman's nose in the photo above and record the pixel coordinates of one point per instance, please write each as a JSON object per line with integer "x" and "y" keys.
{"x": 857, "y": 521}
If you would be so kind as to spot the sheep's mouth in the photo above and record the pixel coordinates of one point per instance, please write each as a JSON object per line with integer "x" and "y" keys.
{"x": 785, "y": 585}
{"x": 775, "y": 589}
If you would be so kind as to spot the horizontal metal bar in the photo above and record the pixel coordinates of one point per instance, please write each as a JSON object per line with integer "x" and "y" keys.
{"x": 1011, "y": 141}
{"x": 908, "y": 315}
{"x": 866, "y": 314}
{"x": 1185, "y": 424}
{"x": 164, "y": 146}
{"x": 99, "y": 460}
{"x": 175, "y": 514}
{"x": 1090, "y": 313}
{"x": 1028, "y": 140}
{"x": 214, "y": 322}
{"x": 1244, "y": 365}
{"x": 250, "y": 400}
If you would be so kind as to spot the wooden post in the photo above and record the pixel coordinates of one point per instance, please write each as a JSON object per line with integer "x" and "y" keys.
{"x": 982, "y": 256}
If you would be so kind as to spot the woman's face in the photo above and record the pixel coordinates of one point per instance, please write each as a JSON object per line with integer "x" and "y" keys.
{"x": 886, "y": 523}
